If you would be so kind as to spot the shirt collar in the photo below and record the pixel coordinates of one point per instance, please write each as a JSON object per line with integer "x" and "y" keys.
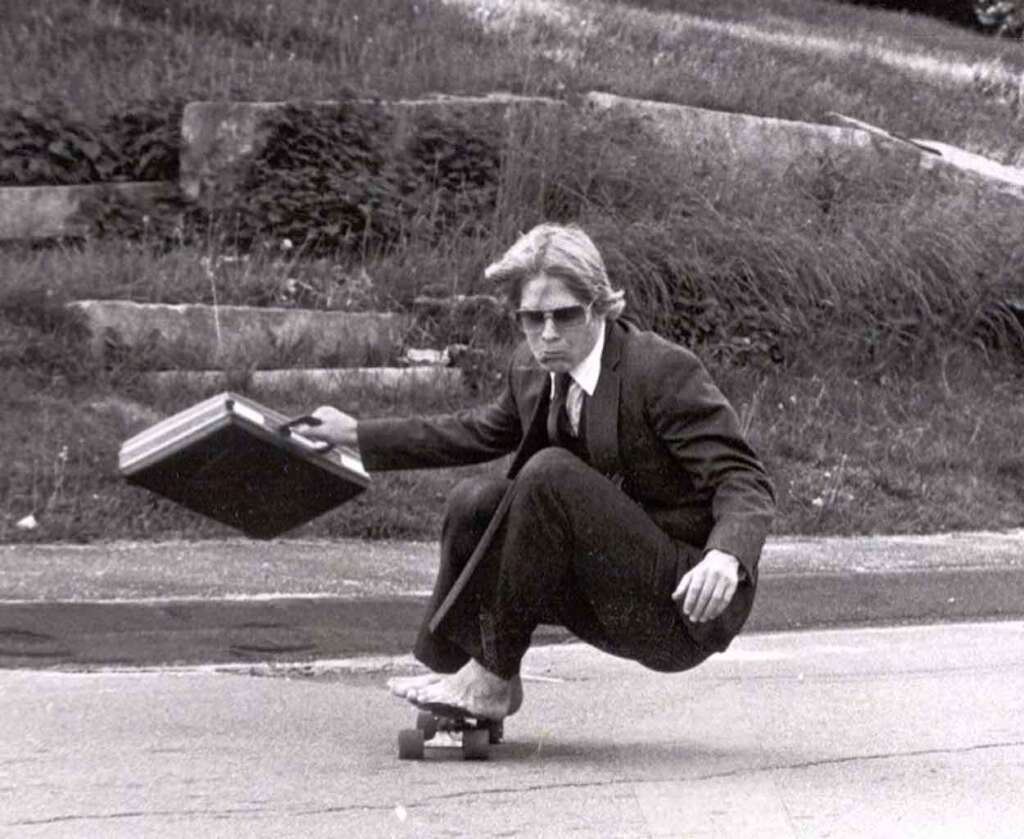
{"x": 588, "y": 371}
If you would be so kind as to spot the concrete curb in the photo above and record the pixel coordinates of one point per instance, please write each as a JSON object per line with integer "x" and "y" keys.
{"x": 133, "y": 604}
{"x": 47, "y": 634}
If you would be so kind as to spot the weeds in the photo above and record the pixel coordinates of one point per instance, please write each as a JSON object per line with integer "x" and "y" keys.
{"x": 889, "y": 454}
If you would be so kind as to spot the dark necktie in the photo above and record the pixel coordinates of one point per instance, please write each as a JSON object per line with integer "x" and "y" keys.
{"x": 557, "y": 406}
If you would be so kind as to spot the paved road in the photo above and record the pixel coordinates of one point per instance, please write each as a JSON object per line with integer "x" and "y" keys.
{"x": 239, "y": 600}
{"x": 900, "y": 731}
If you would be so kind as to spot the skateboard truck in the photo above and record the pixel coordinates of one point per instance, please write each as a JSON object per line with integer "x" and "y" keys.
{"x": 478, "y": 734}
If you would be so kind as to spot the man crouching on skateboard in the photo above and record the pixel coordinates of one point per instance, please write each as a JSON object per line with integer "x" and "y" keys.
{"x": 633, "y": 512}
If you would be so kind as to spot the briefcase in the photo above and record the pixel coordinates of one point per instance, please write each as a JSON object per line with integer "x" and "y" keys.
{"x": 240, "y": 463}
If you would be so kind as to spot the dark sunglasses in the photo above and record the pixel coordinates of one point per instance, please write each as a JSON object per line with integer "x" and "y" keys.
{"x": 563, "y": 317}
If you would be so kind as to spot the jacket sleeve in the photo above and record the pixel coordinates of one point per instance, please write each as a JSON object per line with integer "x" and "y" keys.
{"x": 457, "y": 439}
{"x": 695, "y": 421}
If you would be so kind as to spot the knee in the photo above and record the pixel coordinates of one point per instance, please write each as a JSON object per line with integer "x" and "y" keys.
{"x": 550, "y": 467}
{"x": 473, "y": 500}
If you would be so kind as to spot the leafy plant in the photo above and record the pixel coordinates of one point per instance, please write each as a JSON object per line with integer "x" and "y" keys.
{"x": 46, "y": 144}
{"x": 42, "y": 145}
{"x": 148, "y": 139}
{"x": 348, "y": 179}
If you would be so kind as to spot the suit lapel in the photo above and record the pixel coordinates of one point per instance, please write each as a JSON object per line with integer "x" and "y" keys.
{"x": 538, "y": 388}
{"x": 602, "y": 415}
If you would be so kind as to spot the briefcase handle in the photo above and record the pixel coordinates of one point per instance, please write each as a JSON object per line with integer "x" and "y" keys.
{"x": 286, "y": 427}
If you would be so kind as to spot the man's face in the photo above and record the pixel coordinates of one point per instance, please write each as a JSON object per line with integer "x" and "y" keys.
{"x": 560, "y": 329}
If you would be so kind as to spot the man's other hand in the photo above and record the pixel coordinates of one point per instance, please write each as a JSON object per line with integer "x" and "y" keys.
{"x": 707, "y": 588}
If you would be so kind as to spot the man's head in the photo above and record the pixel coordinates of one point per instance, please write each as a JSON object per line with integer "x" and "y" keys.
{"x": 555, "y": 280}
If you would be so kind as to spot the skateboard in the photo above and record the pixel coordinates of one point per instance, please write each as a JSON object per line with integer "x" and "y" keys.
{"x": 477, "y": 734}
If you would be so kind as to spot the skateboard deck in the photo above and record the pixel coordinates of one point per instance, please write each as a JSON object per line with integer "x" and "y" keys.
{"x": 475, "y": 735}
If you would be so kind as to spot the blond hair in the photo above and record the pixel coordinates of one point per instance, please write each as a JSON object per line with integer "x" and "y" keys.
{"x": 563, "y": 251}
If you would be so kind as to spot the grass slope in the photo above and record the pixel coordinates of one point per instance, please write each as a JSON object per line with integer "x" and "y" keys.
{"x": 856, "y": 317}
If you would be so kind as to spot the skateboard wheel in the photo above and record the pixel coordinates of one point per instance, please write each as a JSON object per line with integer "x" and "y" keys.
{"x": 474, "y": 743}
{"x": 495, "y": 731}
{"x": 410, "y": 744}
{"x": 427, "y": 723}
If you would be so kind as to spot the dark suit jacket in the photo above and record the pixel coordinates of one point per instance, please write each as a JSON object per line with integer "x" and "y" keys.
{"x": 656, "y": 423}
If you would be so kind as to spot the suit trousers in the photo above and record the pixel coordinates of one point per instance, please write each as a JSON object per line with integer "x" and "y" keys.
{"x": 573, "y": 549}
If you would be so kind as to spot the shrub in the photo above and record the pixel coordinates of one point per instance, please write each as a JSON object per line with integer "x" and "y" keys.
{"x": 45, "y": 144}
{"x": 42, "y": 145}
{"x": 347, "y": 179}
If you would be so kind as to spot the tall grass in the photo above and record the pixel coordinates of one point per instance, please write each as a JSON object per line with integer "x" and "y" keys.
{"x": 797, "y": 59}
{"x": 889, "y": 454}
{"x": 102, "y": 53}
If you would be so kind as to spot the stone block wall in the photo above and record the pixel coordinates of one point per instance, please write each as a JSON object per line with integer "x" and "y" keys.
{"x": 219, "y": 138}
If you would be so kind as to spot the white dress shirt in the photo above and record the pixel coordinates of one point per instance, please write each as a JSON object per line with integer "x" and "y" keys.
{"x": 584, "y": 380}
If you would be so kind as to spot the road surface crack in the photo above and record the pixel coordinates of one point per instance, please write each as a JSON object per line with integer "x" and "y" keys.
{"x": 516, "y": 790}
{"x": 135, "y": 814}
{"x": 732, "y": 773}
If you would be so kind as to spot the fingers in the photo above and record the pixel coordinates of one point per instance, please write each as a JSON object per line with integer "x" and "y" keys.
{"x": 329, "y": 425}
{"x": 693, "y": 594}
{"x": 313, "y": 430}
{"x": 684, "y": 584}
{"x": 717, "y": 600}
{"x": 705, "y": 593}
{"x": 319, "y": 428}
{"x": 314, "y": 421}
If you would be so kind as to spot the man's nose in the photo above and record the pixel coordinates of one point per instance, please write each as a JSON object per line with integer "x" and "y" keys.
{"x": 550, "y": 331}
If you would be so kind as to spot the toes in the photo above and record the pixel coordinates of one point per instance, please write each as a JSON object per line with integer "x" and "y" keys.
{"x": 399, "y": 687}
{"x": 432, "y": 693}
{"x": 427, "y": 693}
{"x": 404, "y": 685}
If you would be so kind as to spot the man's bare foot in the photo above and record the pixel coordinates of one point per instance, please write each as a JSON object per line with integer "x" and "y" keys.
{"x": 403, "y": 685}
{"x": 474, "y": 689}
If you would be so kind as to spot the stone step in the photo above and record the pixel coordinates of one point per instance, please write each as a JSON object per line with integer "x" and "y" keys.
{"x": 729, "y": 145}
{"x": 726, "y": 142}
{"x": 343, "y": 384}
{"x": 202, "y": 337}
{"x": 36, "y": 213}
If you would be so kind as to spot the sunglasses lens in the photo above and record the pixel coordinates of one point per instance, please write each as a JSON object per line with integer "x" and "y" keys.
{"x": 530, "y": 319}
{"x": 563, "y": 317}
{"x": 568, "y": 316}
